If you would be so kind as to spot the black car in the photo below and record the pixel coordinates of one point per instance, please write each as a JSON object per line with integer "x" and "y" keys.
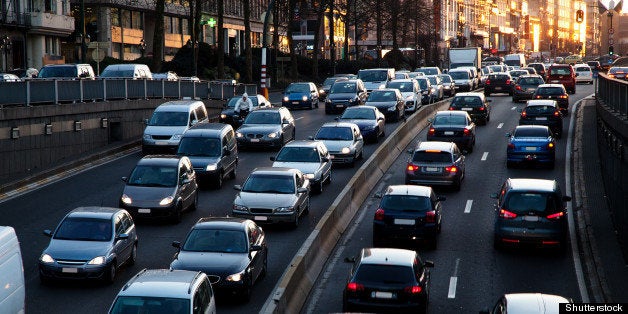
{"x": 386, "y": 279}
{"x": 231, "y": 251}
{"x": 543, "y": 112}
{"x": 530, "y": 212}
{"x": 160, "y": 186}
{"x": 500, "y": 82}
{"x": 407, "y": 213}
{"x": 475, "y": 104}
{"x": 326, "y": 86}
{"x": 539, "y": 67}
{"x": 268, "y": 127}
{"x": 555, "y": 92}
{"x": 426, "y": 88}
{"x": 453, "y": 126}
{"x": 345, "y": 93}
{"x": 525, "y": 86}
{"x": 389, "y": 101}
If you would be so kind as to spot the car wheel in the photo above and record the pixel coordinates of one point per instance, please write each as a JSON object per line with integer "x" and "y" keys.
{"x": 424, "y": 306}
{"x": 219, "y": 180}
{"x": 194, "y": 204}
{"x": 352, "y": 163}
{"x": 245, "y": 293}
{"x": 177, "y": 214}
{"x": 497, "y": 244}
{"x": 457, "y": 184}
{"x": 319, "y": 187}
{"x": 328, "y": 181}
{"x": 311, "y": 105}
{"x": 307, "y": 209}
{"x": 316, "y": 104}
{"x": 361, "y": 155}
{"x": 133, "y": 256}
{"x": 233, "y": 174}
{"x": 44, "y": 280}
{"x": 264, "y": 271}
{"x": 295, "y": 222}
{"x": 110, "y": 274}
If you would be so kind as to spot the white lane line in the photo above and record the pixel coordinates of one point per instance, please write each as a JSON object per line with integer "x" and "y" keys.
{"x": 499, "y": 126}
{"x": 513, "y": 108}
{"x": 467, "y": 208}
{"x": 299, "y": 118}
{"x": 453, "y": 282}
{"x": 484, "y": 156}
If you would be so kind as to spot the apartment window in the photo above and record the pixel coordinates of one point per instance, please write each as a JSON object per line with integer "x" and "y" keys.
{"x": 185, "y": 30}
{"x": 51, "y": 46}
{"x": 126, "y": 18}
{"x": 176, "y": 25}
{"x": 115, "y": 17}
{"x": 136, "y": 20}
{"x": 167, "y": 24}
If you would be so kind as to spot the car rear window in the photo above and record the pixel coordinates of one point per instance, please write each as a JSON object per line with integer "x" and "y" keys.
{"x": 531, "y": 202}
{"x": 431, "y": 157}
{"x": 550, "y": 91}
{"x": 531, "y": 132}
{"x": 530, "y": 81}
{"x": 406, "y": 203}
{"x": 384, "y": 273}
{"x": 498, "y": 77}
{"x": 450, "y": 120}
{"x": 540, "y": 109}
{"x": 382, "y": 96}
{"x": 583, "y": 69}
{"x": 560, "y": 71}
{"x": 466, "y": 101}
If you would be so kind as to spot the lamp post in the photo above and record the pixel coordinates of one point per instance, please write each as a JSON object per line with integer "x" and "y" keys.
{"x": 5, "y": 45}
{"x": 142, "y": 47}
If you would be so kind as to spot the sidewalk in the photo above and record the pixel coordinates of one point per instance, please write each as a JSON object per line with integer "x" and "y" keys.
{"x": 606, "y": 271}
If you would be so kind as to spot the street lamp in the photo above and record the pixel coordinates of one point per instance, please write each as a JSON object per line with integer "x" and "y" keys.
{"x": 142, "y": 47}
{"x": 5, "y": 45}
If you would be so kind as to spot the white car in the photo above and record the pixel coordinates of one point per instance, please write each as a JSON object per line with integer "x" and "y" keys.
{"x": 583, "y": 73}
{"x": 410, "y": 91}
{"x": 344, "y": 141}
{"x": 311, "y": 157}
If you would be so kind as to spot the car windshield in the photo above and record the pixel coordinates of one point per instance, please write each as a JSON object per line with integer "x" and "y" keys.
{"x": 431, "y": 157}
{"x": 390, "y": 274}
{"x": 199, "y": 146}
{"x": 340, "y": 87}
{"x": 372, "y": 76}
{"x": 496, "y": 68}
{"x": 233, "y": 101}
{"x": 449, "y": 120}
{"x": 153, "y": 176}
{"x": 263, "y": 117}
{"x": 559, "y": 71}
{"x": 358, "y": 114}
{"x": 382, "y": 96}
{"x": 334, "y": 133}
{"x": 298, "y": 88}
{"x": 409, "y": 203}
{"x": 549, "y": 91}
{"x": 433, "y": 80}
{"x": 401, "y": 86}
{"x": 298, "y": 154}
{"x": 456, "y": 75}
{"x": 536, "y": 81}
{"x": 58, "y": 71}
{"x": 169, "y": 118}
{"x": 531, "y": 202}
{"x": 330, "y": 80}
{"x": 422, "y": 83}
{"x": 516, "y": 74}
{"x": 583, "y": 69}
{"x": 531, "y": 132}
{"x": 541, "y": 109}
{"x": 466, "y": 101}
{"x": 216, "y": 240}
{"x": 269, "y": 183}
{"x": 84, "y": 229}
{"x": 117, "y": 73}
{"x": 446, "y": 78}
{"x": 150, "y": 305}
{"x": 429, "y": 71}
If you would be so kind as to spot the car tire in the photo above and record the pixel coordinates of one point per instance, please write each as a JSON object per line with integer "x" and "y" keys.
{"x": 497, "y": 244}
{"x": 319, "y": 187}
{"x": 307, "y": 209}
{"x": 219, "y": 180}
{"x": 328, "y": 181}
{"x": 177, "y": 214}
{"x": 110, "y": 274}
{"x": 424, "y": 307}
{"x": 44, "y": 280}
{"x": 316, "y": 104}
{"x": 234, "y": 173}
{"x": 457, "y": 184}
{"x": 194, "y": 204}
{"x": 295, "y": 222}
{"x": 509, "y": 164}
{"x": 246, "y": 292}
{"x": 133, "y": 257}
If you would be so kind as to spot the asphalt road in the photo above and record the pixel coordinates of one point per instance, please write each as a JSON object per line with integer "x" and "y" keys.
{"x": 469, "y": 275}
{"x": 43, "y": 208}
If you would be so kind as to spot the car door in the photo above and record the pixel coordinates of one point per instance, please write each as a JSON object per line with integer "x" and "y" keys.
{"x": 313, "y": 93}
{"x": 185, "y": 185}
{"x": 230, "y": 151}
{"x": 325, "y": 165}
{"x": 358, "y": 141}
{"x": 459, "y": 160}
{"x": 256, "y": 263}
{"x": 121, "y": 247}
{"x": 287, "y": 122}
{"x": 303, "y": 197}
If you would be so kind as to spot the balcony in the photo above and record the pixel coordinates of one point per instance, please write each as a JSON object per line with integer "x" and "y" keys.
{"x": 51, "y": 24}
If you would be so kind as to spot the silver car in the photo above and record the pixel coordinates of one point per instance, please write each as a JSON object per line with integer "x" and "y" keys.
{"x": 344, "y": 141}
{"x": 273, "y": 195}
{"x": 437, "y": 87}
{"x": 311, "y": 157}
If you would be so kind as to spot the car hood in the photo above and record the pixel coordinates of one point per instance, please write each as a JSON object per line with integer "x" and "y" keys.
{"x": 408, "y": 94}
{"x": 164, "y": 130}
{"x": 336, "y": 146}
{"x": 296, "y": 96}
{"x": 341, "y": 96}
{"x": 305, "y": 167}
{"x": 259, "y": 128}
{"x": 203, "y": 161}
{"x": 211, "y": 263}
{"x": 265, "y": 200}
{"x": 77, "y": 250}
{"x": 374, "y": 84}
{"x": 147, "y": 193}
{"x": 381, "y": 104}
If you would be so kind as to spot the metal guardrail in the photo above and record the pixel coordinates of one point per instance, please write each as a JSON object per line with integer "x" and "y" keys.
{"x": 41, "y": 92}
{"x": 614, "y": 94}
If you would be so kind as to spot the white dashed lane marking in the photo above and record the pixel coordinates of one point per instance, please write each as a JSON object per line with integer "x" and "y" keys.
{"x": 484, "y": 156}
{"x": 299, "y": 118}
{"x": 499, "y": 126}
{"x": 513, "y": 108}
{"x": 453, "y": 281}
{"x": 467, "y": 208}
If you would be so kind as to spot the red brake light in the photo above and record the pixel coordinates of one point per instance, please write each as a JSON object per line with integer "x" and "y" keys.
{"x": 451, "y": 108}
{"x": 430, "y": 216}
{"x": 481, "y": 109}
{"x": 506, "y": 214}
{"x": 517, "y": 87}
{"x": 508, "y": 82}
{"x": 488, "y": 82}
{"x": 353, "y": 287}
{"x": 557, "y": 215}
{"x": 537, "y": 96}
{"x": 557, "y": 113}
{"x": 412, "y": 167}
{"x": 467, "y": 132}
{"x": 511, "y": 146}
{"x": 379, "y": 214}
{"x": 523, "y": 114}
{"x": 413, "y": 289}
{"x": 431, "y": 131}
{"x": 452, "y": 169}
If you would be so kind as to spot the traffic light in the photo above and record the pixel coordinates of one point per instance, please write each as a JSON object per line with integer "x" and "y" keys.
{"x": 579, "y": 16}
{"x": 611, "y": 50}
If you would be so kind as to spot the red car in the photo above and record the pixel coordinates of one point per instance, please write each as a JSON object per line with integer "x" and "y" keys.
{"x": 562, "y": 74}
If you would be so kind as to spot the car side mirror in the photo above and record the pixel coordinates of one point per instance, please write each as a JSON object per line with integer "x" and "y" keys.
{"x": 493, "y": 195}
{"x": 122, "y": 236}
{"x": 273, "y": 158}
{"x": 566, "y": 198}
{"x": 48, "y": 233}
{"x": 125, "y": 179}
{"x": 350, "y": 259}
{"x": 302, "y": 190}
{"x": 146, "y": 121}
{"x": 193, "y": 122}
{"x": 255, "y": 248}
{"x": 176, "y": 244}
{"x": 237, "y": 187}
{"x": 428, "y": 264}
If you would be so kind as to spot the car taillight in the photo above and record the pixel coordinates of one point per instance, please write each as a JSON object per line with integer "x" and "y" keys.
{"x": 523, "y": 114}
{"x": 488, "y": 82}
{"x": 557, "y": 215}
{"x": 412, "y": 167}
{"x": 430, "y": 216}
{"x": 431, "y": 131}
{"x": 466, "y": 132}
{"x": 413, "y": 289}
{"x": 379, "y": 214}
{"x": 517, "y": 87}
{"x": 537, "y": 96}
{"x": 354, "y": 287}
{"x": 563, "y": 96}
{"x": 452, "y": 108}
{"x": 481, "y": 108}
{"x": 506, "y": 214}
{"x": 452, "y": 169}
{"x": 511, "y": 146}
{"x": 508, "y": 82}
{"x": 557, "y": 113}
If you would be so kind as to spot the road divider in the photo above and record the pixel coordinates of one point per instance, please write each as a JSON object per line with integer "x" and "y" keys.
{"x": 295, "y": 284}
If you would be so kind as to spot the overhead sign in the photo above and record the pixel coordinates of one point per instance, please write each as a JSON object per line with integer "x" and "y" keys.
{"x": 98, "y": 45}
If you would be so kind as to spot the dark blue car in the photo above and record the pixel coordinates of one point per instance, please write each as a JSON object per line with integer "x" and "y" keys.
{"x": 368, "y": 118}
{"x": 300, "y": 95}
{"x": 531, "y": 144}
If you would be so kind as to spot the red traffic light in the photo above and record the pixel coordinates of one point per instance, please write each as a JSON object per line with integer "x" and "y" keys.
{"x": 493, "y": 51}
{"x": 579, "y": 16}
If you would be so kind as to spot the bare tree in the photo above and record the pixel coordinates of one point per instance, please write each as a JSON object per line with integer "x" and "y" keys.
{"x": 158, "y": 35}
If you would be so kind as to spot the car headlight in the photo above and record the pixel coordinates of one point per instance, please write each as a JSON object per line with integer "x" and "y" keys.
{"x": 322, "y": 91}
{"x": 126, "y": 199}
{"x": 272, "y": 135}
{"x": 345, "y": 150}
{"x": 236, "y": 277}
{"x": 328, "y": 101}
{"x": 223, "y": 116}
{"x": 284, "y": 209}
{"x": 211, "y": 167}
{"x": 309, "y": 175}
{"x": 381, "y": 86}
{"x": 147, "y": 136}
{"x": 98, "y": 260}
{"x": 166, "y": 201}
{"x": 240, "y": 208}
{"x": 238, "y": 134}
{"x": 45, "y": 258}
{"x": 304, "y": 98}
{"x": 285, "y": 98}
{"x": 177, "y": 137}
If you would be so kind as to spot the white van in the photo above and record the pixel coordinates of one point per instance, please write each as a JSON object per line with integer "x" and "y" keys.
{"x": 518, "y": 60}
{"x": 170, "y": 120}
{"x": 129, "y": 71}
{"x": 12, "y": 294}
{"x": 376, "y": 78}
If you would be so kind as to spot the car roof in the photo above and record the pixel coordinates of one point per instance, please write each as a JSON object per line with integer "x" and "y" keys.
{"x": 161, "y": 283}
{"x": 277, "y": 109}
{"x": 275, "y": 170}
{"x": 404, "y": 80}
{"x": 177, "y": 105}
{"x": 227, "y": 223}
{"x": 387, "y": 256}
{"x": 435, "y": 145}
{"x": 160, "y": 160}
{"x": 541, "y": 102}
{"x": 551, "y": 85}
{"x": 206, "y": 130}
{"x": 418, "y": 190}
{"x": 532, "y": 184}
{"x": 338, "y": 125}
{"x": 94, "y": 212}
{"x": 451, "y": 113}
{"x": 533, "y": 303}
{"x": 303, "y": 143}
{"x": 465, "y": 94}
{"x": 531, "y": 75}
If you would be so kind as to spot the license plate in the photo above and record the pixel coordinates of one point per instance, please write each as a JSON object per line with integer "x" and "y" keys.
{"x": 405, "y": 222}
{"x": 530, "y": 89}
{"x": 541, "y": 118}
{"x": 382, "y": 295}
{"x": 498, "y": 88}
{"x": 295, "y": 102}
{"x": 69, "y": 270}
{"x": 255, "y": 140}
{"x": 331, "y": 157}
{"x": 467, "y": 109}
{"x": 530, "y": 148}
{"x": 339, "y": 106}
{"x": 531, "y": 218}
{"x": 431, "y": 169}
{"x": 449, "y": 133}
{"x": 161, "y": 143}
{"x": 260, "y": 218}
{"x": 144, "y": 210}
{"x": 554, "y": 81}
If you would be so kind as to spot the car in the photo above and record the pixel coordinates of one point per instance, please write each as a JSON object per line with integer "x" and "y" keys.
{"x": 67, "y": 71}
{"x": 311, "y": 157}
{"x": 500, "y": 82}
{"x": 273, "y": 195}
{"x": 573, "y": 59}
{"x": 8, "y": 77}
{"x": 426, "y": 90}
{"x": 415, "y": 74}
{"x": 584, "y": 74}
{"x": 594, "y": 65}
{"x": 232, "y": 252}
{"x": 89, "y": 243}
{"x": 388, "y": 101}
{"x": 463, "y": 79}
{"x": 166, "y": 76}
{"x": 436, "y": 163}
{"x": 300, "y": 95}
{"x": 497, "y": 68}
{"x": 268, "y": 127}
{"x": 134, "y": 71}
{"x": 429, "y": 70}
{"x": 453, "y": 126}
{"x": 514, "y": 74}
{"x": 437, "y": 87}
{"x": 530, "y": 70}
{"x": 525, "y": 86}
{"x": 387, "y": 279}
{"x": 531, "y": 144}
{"x": 369, "y": 119}
{"x": 542, "y": 112}
{"x": 212, "y": 150}
{"x": 532, "y": 303}
{"x": 475, "y": 76}
{"x": 475, "y": 104}
{"x": 168, "y": 123}
{"x": 539, "y": 67}
{"x": 229, "y": 116}
{"x": 343, "y": 140}
{"x": 349, "y": 76}
{"x": 376, "y": 78}
{"x": 345, "y": 93}
{"x": 410, "y": 91}
{"x": 562, "y": 74}
{"x": 484, "y": 75}
{"x": 165, "y": 291}
{"x": 618, "y": 72}
{"x": 555, "y": 92}
{"x": 407, "y": 213}
{"x": 401, "y": 75}
{"x": 449, "y": 86}
{"x": 530, "y": 212}
{"x": 160, "y": 186}
{"x": 326, "y": 86}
